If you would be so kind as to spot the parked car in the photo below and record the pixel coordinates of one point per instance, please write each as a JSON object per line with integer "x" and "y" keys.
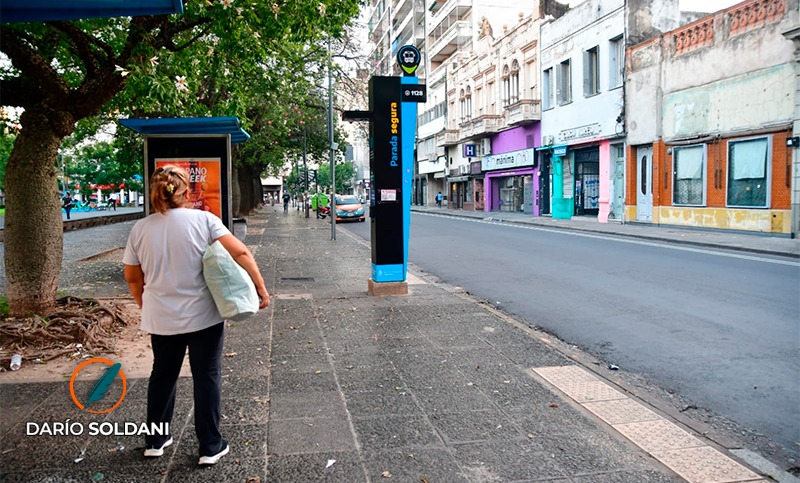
{"x": 348, "y": 208}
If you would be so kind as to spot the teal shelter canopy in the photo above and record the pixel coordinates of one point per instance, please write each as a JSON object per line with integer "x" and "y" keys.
{"x": 49, "y": 10}
{"x": 189, "y": 125}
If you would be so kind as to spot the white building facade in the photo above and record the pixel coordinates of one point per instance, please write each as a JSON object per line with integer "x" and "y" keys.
{"x": 469, "y": 43}
{"x": 582, "y": 61}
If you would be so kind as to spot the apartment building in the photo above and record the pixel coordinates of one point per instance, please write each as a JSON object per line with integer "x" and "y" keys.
{"x": 392, "y": 24}
{"x": 711, "y": 108}
{"x": 482, "y": 82}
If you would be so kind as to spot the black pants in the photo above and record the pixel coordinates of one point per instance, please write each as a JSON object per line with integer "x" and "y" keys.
{"x": 67, "y": 209}
{"x": 205, "y": 357}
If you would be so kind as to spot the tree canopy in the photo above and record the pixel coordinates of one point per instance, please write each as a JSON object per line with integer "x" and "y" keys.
{"x": 215, "y": 59}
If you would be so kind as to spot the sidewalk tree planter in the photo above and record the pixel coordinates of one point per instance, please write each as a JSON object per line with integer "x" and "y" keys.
{"x": 196, "y": 64}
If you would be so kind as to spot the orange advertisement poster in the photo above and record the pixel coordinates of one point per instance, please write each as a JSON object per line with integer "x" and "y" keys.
{"x": 205, "y": 181}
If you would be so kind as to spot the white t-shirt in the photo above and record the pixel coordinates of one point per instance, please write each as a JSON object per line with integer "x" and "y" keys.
{"x": 169, "y": 248}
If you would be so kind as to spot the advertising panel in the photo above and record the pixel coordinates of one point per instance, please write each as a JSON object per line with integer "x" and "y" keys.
{"x": 205, "y": 181}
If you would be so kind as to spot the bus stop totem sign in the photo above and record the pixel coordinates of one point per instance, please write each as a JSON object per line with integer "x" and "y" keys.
{"x": 392, "y": 133}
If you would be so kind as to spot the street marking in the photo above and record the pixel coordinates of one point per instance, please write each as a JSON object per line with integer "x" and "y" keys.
{"x": 676, "y": 448}
{"x": 620, "y": 238}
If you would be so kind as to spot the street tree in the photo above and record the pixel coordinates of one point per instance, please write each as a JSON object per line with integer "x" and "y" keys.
{"x": 198, "y": 63}
{"x": 345, "y": 173}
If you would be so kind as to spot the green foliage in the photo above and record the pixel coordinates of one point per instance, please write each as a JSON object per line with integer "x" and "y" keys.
{"x": 4, "y": 308}
{"x": 345, "y": 172}
{"x": 207, "y": 61}
{"x": 6, "y": 145}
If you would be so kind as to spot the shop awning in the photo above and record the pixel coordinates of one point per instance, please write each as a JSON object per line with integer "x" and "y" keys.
{"x": 189, "y": 125}
{"x": 457, "y": 179}
{"x": 45, "y": 10}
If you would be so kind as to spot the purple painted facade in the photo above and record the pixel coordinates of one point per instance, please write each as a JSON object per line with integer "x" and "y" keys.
{"x": 516, "y": 139}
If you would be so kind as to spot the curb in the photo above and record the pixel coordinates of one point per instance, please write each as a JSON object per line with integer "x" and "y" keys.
{"x": 761, "y": 251}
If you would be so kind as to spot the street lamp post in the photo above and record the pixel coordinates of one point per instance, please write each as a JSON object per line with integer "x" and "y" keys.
{"x": 63, "y": 173}
{"x": 331, "y": 145}
{"x": 305, "y": 172}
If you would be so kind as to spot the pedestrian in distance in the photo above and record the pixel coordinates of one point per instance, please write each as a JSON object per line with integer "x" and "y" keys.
{"x": 286, "y": 199}
{"x": 112, "y": 200}
{"x": 439, "y": 199}
{"x": 67, "y": 203}
{"x": 166, "y": 249}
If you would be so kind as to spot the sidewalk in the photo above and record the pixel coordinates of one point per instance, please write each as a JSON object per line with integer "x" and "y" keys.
{"x": 329, "y": 384}
{"x": 763, "y": 243}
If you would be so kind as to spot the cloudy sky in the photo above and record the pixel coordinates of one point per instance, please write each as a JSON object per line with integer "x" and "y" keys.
{"x": 692, "y": 5}
{"x": 706, "y": 5}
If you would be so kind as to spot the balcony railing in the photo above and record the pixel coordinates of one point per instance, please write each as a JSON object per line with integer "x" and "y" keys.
{"x": 524, "y": 110}
{"x": 481, "y": 125}
{"x": 723, "y": 25}
{"x": 448, "y": 137}
{"x": 754, "y": 14}
{"x": 459, "y": 33}
{"x": 693, "y": 36}
{"x": 455, "y": 9}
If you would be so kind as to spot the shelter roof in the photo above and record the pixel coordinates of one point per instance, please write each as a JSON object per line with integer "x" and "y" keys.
{"x": 189, "y": 125}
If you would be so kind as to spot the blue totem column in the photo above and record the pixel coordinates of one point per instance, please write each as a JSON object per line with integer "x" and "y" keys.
{"x": 392, "y": 133}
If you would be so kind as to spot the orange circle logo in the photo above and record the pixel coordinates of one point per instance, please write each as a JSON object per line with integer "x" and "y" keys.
{"x": 101, "y": 386}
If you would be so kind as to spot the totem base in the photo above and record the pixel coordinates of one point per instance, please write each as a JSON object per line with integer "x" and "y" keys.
{"x": 382, "y": 289}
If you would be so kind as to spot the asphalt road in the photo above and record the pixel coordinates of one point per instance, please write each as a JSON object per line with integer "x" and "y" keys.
{"x": 720, "y": 329}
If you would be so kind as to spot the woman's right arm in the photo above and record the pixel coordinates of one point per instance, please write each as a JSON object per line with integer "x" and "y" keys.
{"x": 243, "y": 257}
{"x": 135, "y": 278}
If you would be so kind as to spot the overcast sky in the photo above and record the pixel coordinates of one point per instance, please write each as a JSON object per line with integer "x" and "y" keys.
{"x": 692, "y": 5}
{"x": 706, "y": 5}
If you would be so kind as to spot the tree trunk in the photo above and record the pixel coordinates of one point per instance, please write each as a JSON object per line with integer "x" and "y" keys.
{"x": 34, "y": 232}
{"x": 245, "y": 193}
{"x": 236, "y": 195}
{"x": 255, "y": 184}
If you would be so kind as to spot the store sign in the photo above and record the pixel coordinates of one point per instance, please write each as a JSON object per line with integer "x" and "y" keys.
{"x": 513, "y": 159}
{"x": 560, "y": 151}
{"x": 580, "y": 132}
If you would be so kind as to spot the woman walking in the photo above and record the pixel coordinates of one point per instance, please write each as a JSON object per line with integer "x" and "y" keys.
{"x": 163, "y": 268}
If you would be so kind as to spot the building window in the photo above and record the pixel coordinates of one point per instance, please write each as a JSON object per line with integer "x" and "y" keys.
{"x": 514, "y": 82}
{"x": 616, "y": 61}
{"x": 531, "y": 76}
{"x": 564, "y": 92}
{"x": 591, "y": 73}
{"x": 505, "y": 90}
{"x": 748, "y": 173}
{"x": 469, "y": 103}
{"x": 689, "y": 175}
{"x": 462, "y": 105}
{"x": 547, "y": 89}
